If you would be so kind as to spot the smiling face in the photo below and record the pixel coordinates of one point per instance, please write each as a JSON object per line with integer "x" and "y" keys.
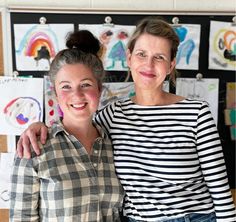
{"x": 77, "y": 93}
{"x": 150, "y": 62}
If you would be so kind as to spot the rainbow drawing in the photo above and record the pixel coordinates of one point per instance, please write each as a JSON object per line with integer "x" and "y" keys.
{"x": 36, "y": 44}
{"x": 35, "y": 38}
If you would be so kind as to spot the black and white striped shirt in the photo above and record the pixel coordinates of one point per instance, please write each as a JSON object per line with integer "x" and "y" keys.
{"x": 169, "y": 160}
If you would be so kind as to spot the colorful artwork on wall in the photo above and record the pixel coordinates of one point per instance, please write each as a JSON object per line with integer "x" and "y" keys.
{"x": 113, "y": 40}
{"x": 222, "y": 51}
{"x": 37, "y": 44}
{"x": 188, "y": 51}
{"x": 21, "y": 104}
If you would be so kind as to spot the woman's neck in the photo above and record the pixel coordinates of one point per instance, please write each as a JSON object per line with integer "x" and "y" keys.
{"x": 157, "y": 98}
{"x": 84, "y": 131}
{"x": 149, "y": 98}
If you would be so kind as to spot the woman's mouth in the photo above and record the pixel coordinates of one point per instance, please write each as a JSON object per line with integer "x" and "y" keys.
{"x": 148, "y": 75}
{"x": 79, "y": 106}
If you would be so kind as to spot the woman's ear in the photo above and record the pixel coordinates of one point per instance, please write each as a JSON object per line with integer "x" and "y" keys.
{"x": 128, "y": 57}
{"x": 172, "y": 65}
{"x": 100, "y": 88}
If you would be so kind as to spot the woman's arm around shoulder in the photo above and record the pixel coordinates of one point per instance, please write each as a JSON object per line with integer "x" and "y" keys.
{"x": 35, "y": 132}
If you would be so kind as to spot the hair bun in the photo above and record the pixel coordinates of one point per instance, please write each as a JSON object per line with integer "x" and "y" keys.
{"x": 83, "y": 40}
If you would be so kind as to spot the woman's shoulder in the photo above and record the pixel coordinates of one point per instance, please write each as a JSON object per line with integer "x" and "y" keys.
{"x": 117, "y": 103}
{"x": 177, "y": 99}
{"x": 52, "y": 136}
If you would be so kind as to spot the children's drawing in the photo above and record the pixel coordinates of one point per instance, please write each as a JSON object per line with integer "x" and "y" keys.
{"x": 37, "y": 44}
{"x": 52, "y": 109}
{"x": 118, "y": 51}
{"x": 114, "y": 91}
{"x": 114, "y": 40}
{"x": 188, "y": 51}
{"x": 21, "y": 104}
{"x": 205, "y": 89}
{"x": 222, "y": 52}
{"x": 22, "y": 111}
{"x": 120, "y": 90}
{"x": 104, "y": 38}
{"x": 186, "y": 47}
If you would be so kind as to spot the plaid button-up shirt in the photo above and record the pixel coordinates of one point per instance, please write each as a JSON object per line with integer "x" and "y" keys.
{"x": 66, "y": 184}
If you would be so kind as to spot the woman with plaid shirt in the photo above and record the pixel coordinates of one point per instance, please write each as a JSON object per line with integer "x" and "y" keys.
{"x": 74, "y": 178}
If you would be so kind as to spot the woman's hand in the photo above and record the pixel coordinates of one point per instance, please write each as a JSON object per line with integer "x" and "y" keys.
{"x": 30, "y": 137}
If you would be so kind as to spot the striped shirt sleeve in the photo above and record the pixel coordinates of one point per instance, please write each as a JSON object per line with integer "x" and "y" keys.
{"x": 104, "y": 119}
{"x": 213, "y": 165}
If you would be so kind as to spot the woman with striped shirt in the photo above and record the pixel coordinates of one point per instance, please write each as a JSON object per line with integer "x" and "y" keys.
{"x": 167, "y": 151}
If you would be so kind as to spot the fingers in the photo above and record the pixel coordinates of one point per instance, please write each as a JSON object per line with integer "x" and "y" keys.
{"x": 32, "y": 139}
{"x": 29, "y": 138}
{"x": 43, "y": 135}
{"x": 26, "y": 147}
{"x": 19, "y": 148}
{"x": 23, "y": 146}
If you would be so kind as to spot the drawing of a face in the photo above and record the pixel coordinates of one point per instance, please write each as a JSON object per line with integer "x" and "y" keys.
{"x": 122, "y": 35}
{"x": 22, "y": 111}
{"x": 105, "y": 37}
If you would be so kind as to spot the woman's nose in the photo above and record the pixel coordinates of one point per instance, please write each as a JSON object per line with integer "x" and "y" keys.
{"x": 149, "y": 61}
{"x": 78, "y": 92}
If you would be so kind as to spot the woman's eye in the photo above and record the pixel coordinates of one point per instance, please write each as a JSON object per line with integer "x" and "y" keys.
{"x": 160, "y": 58}
{"x": 141, "y": 54}
{"x": 84, "y": 85}
{"x": 66, "y": 87}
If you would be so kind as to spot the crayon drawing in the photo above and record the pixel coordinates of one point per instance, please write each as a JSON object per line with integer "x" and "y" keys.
{"x": 114, "y": 91}
{"x": 188, "y": 51}
{"x": 22, "y": 111}
{"x": 222, "y": 52}
{"x": 120, "y": 90}
{"x": 22, "y": 106}
{"x": 36, "y": 44}
{"x": 113, "y": 40}
{"x": 205, "y": 89}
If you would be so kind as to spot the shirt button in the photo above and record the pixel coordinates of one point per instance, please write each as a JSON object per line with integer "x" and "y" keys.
{"x": 95, "y": 165}
{"x": 95, "y": 151}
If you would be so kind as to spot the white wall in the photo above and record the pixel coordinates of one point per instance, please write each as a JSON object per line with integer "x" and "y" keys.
{"x": 146, "y": 5}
